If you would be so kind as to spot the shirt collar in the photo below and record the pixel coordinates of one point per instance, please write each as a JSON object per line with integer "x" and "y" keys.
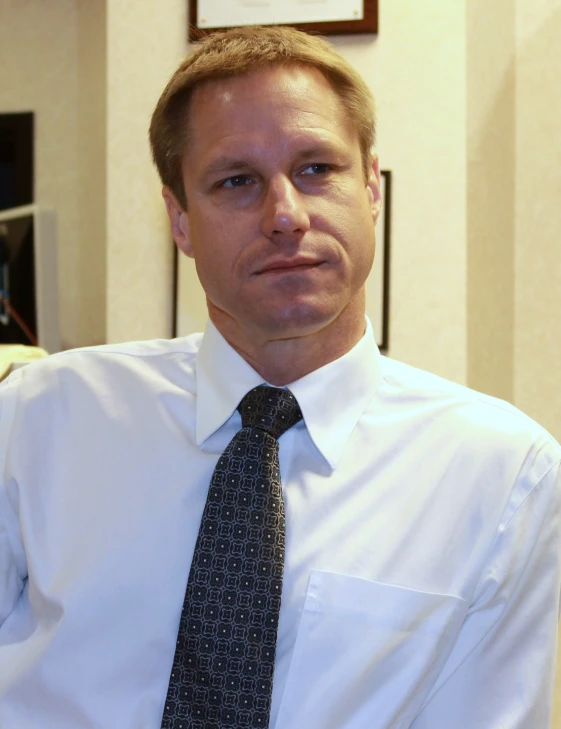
{"x": 332, "y": 398}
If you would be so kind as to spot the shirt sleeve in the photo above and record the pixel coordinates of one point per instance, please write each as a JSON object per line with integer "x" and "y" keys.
{"x": 12, "y": 572}
{"x": 500, "y": 674}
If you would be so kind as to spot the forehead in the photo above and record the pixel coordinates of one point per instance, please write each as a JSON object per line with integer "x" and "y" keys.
{"x": 278, "y": 81}
{"x": 269, "y": 101}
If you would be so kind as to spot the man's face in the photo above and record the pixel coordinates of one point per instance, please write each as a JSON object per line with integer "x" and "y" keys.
{"x": 280, "y": 220}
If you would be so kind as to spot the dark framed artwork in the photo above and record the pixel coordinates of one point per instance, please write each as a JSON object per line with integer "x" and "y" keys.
{"x": 329, "y": 17}
{"x": 189, "y": 305}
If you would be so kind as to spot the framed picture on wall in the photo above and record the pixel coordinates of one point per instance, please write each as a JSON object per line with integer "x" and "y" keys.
{"x": 189, "y": 304}
{"x": 378, "y": 282}
{"x": 328, "y": 17}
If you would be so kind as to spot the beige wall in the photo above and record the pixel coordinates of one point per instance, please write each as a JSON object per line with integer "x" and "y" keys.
{"x": 89, "y": 240}
{"x": 538, "y": 212}
{"x": 491, "y": 57}
{"x": 145, "y": 43}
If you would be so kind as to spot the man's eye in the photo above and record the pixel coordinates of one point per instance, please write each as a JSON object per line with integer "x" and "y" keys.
{"x": 236, "y": 181}
{"x": 318, "y": 168}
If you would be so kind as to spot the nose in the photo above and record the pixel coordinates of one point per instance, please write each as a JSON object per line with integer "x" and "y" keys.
{"x": 285, "y": 217}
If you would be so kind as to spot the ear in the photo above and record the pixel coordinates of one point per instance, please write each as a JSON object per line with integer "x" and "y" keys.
{"x": 178, "y": 221}
{"x": 373, "y": 188}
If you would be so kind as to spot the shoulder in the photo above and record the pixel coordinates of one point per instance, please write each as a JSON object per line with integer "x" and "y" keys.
{"x": 153, "y": 350}
{"x": 110, "y": 371}
{"x": 402, "y": 383}
{"x": 491, "y": 438}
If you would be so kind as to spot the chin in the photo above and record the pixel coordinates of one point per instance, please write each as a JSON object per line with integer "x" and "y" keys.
{"x": 299, "y": 321}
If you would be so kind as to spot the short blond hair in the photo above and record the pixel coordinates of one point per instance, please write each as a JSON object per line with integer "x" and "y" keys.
{"x": 238, "y": 52}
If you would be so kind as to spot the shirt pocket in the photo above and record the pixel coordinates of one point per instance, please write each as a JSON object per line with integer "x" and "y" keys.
{"x": 366, "y": 653}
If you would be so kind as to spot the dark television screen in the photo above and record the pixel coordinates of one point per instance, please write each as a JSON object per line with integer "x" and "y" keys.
{"x": 16, "y": 160}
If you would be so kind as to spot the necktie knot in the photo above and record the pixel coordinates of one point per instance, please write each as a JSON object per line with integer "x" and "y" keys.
{"x": 272, "y": 409}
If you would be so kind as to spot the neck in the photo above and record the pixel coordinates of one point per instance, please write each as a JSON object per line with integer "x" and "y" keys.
{"x": 284, "y": 359}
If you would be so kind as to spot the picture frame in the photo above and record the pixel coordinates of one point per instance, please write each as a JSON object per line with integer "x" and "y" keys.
{"x": 378, "y": 282}
{"x": 189, "y": 312}
{"x": 366, "y": 12}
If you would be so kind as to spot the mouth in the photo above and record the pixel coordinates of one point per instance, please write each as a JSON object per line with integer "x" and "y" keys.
{"x": 292, "y": 265}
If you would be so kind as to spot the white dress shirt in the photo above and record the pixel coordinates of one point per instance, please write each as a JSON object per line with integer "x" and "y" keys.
{"x": 423, "y": 541}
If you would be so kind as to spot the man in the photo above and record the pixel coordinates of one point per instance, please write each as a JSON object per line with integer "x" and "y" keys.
{"x": 420, "y": 554}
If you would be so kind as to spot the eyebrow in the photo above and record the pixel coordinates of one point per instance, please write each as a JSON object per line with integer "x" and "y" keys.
{"x": 225, "y": 164}
{"x": 319, "y": 150}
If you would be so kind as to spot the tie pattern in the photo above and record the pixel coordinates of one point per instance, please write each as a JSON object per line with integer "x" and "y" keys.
{"x": 222, "y": 673}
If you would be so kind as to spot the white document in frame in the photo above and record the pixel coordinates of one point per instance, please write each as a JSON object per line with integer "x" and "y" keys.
{"x": 218, "y": 14}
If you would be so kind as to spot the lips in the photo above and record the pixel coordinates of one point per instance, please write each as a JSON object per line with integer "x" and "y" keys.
{"x": 288, "y": 265}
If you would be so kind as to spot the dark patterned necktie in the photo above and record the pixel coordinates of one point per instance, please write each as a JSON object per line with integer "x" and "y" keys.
{"x": 222, "y": 674}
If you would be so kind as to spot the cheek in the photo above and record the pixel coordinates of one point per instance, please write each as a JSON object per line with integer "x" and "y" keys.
{"x": 215, "y": 261}
{"x": 210, "y": 262}
{"x": 360, "y": 243}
